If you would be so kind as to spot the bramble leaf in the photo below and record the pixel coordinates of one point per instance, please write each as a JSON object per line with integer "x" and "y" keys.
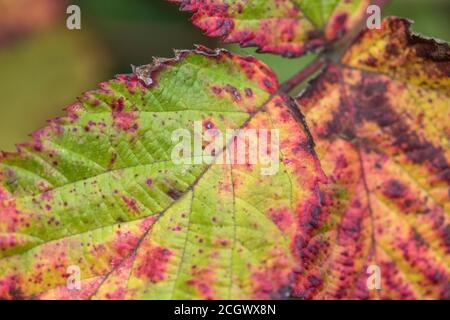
{"x": 97, "y": 193}
{"x": 380, "y": 121}
{"x": 287, "y": 27}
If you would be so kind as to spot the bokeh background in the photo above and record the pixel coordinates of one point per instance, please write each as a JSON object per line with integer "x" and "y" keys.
{"x": 44, "y": 66}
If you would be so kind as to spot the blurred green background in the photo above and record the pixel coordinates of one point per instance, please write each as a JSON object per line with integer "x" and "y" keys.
{"x": 44, "y": 66}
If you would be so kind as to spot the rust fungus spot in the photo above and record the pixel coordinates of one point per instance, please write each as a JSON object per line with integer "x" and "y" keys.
{"x": 131, "y": 203}
{"x": 154, "y": 263}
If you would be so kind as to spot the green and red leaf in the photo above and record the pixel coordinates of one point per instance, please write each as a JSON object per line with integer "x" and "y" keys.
{"x": 287, "y": 27}
{"x": 98, "y": 190}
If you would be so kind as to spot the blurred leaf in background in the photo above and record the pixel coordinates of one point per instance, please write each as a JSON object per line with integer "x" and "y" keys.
{"x": 21, "y": 17}
{"x": 44, "y": 66}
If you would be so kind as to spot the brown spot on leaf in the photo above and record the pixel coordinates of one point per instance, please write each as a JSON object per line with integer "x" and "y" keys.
{"x": 174, "y": 194}
{"x": 125, "y": 121}
{"x": 394, "y": 189}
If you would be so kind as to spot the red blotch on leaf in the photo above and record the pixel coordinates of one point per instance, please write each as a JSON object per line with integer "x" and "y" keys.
{"x": 281, "y": 217}
{"x": 202, "y": 278}
{"x": 131, "y": 204}
{"x": 153, "y": 264}
{"x": 125, "y": 121}
{"x": 10, "y": 288}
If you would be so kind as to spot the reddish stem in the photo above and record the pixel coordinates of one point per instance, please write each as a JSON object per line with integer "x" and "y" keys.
{"x": 303, "y": 74}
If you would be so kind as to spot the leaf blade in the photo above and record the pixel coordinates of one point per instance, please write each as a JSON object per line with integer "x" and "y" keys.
{"x": 290, "y": 28}
{"x": 98, "y": 190}
{"x": 377, "y": 119}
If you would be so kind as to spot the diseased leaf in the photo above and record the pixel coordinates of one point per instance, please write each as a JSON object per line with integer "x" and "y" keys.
{"x": 286, "y": 27}
{"x": 380, "y": 121}
{"x": 98, "y": 192}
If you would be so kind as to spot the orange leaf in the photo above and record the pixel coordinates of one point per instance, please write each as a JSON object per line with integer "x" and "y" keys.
{"x": 380, "y": 120}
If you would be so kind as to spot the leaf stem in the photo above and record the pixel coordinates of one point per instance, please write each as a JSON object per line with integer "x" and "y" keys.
{"x": 303, "y": 74}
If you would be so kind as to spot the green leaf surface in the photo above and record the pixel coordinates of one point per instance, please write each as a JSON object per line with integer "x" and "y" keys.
{"x": 97, "y": 191}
